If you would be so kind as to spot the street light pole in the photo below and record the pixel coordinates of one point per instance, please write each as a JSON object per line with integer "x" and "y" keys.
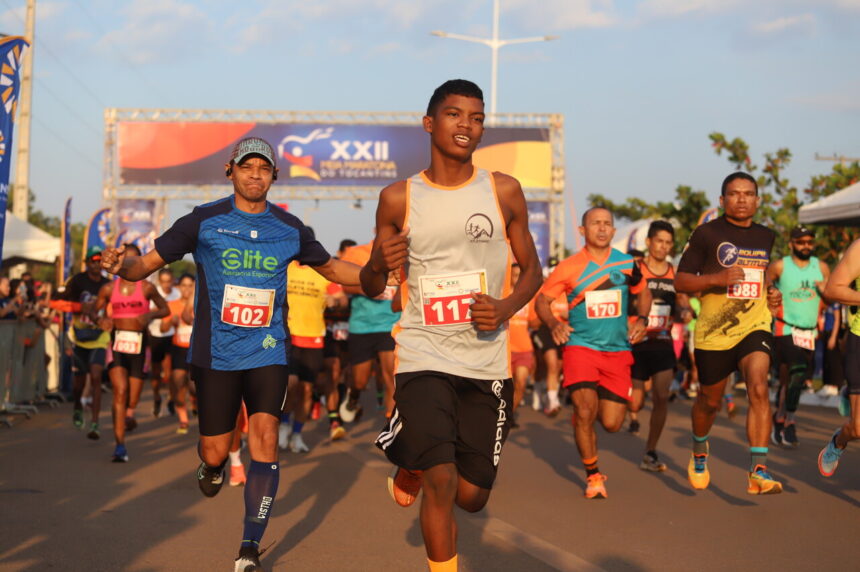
{"x": 494, "y": 43}
{"x": 21, "y": 187}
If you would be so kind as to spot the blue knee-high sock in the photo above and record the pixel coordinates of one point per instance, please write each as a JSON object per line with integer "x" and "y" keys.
{"x": 260, "y": 489}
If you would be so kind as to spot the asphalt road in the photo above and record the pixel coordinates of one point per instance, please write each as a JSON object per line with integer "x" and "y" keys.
{"x": 64, "y": 506}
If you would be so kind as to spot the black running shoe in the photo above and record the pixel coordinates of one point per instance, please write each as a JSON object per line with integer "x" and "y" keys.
{"x": 248, "y": 560}
{"x": 634, "y": 427}
{"x": 210, "y": 479}
{"x": 789, "y": 436}
{"x": 776, "y": 432}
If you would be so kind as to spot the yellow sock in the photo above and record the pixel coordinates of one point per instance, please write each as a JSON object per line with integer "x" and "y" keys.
{"x": 447, "y": 566}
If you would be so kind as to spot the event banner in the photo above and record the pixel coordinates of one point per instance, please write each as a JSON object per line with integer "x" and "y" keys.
{"x": 97, "y": 233}
{"x": 136, "y": 223}
{"x": 12, "y": 52}
{"x": 539, "y": 228}
{"x": 192, "y": 153}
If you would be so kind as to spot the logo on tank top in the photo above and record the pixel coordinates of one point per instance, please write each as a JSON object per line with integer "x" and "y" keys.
{"x": 617, "y": 277}
{"x": 727, "y": 254}
{"x": 479, "y": 228}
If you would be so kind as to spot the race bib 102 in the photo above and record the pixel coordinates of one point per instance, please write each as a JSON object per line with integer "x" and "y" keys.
{"x": 445, "y": 298}
{"x": 247, "y": 307}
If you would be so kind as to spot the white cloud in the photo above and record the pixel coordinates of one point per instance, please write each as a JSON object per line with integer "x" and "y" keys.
{"x": 559, "y": 15}
{"x": 674, "y": 8}
{"x": 159, "y": 30}
{"x": 803, "y": 23}
{"x": 13, "y": 21}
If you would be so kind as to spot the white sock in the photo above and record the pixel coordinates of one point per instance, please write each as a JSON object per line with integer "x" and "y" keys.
{"x": 552, "y": 396}
{"x": 235, "y": 458}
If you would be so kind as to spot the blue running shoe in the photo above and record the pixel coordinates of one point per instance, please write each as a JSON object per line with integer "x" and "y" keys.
{"x": 844, "y": 403}
{"x": 828, "y": 458}
{"x": 120, "y": 454}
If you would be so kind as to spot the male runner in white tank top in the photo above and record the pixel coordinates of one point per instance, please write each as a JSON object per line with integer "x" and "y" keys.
{"x": 449, "y": 228}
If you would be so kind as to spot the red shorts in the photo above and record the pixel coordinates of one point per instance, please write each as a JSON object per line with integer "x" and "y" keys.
{"x": 611, "y": 370}
{"x": 522, "y": 359}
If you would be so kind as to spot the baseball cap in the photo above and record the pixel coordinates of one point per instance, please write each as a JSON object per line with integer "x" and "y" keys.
{"x": 800, "y": 231}
{"x": 252, "y": 146}
{"x": 94, "y": 251}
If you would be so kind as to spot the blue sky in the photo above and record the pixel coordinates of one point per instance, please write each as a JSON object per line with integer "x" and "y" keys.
{"x": 640, "y": 83}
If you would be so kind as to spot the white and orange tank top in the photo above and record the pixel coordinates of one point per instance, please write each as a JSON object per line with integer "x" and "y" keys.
{"x": 457, "y": 245}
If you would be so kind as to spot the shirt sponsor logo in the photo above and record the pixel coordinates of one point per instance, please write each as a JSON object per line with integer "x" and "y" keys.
{"x": 500, "y": 421}
{"x": 269, "y": 342}
{"x": 235, "y": 259}
{"x": 616, "y": 277}
{"x": 225, "y": 231}
{"x": 479, "y": 228}
{"x": 727, "y": 254}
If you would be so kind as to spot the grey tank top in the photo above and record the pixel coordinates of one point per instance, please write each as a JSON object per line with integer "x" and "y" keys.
{"x": 457, "y": 243}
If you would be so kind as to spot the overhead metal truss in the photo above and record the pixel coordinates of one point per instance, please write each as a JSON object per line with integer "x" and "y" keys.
{"x": 113, "y": 189}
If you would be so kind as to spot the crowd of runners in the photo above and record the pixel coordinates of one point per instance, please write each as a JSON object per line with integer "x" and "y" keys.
{"x": 446, "y": 315}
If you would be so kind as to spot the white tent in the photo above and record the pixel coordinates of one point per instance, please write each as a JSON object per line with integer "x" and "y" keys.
{"x": 23, "y": 241}
{"x": 842, "y": 207}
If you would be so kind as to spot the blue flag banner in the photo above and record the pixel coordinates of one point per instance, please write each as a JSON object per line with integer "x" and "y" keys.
{"x": 12, "y": 51}
{"x": 136, "y": 223}
{"x": 66, "y": 237}
{"x": 97, "y": 233}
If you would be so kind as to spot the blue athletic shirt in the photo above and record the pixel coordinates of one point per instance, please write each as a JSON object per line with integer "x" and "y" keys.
{"x": 245, "y": 257}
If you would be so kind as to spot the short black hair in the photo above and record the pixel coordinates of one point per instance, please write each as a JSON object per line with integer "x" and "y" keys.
{"x": 738, "y": 175}
{"x": 659, "y": 225}
{"x": 187, "y": 275}
{"x": 594, "y": 208}
{"x": 346, "y": 243}
{"x": 462, "y": 87}
{"x": 165, "y": 270}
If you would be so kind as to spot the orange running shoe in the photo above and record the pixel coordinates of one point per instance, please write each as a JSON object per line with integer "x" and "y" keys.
{"x": 595, "y": 488}
{"x": 404, "y": 486}
{"x": 237, "y": 475}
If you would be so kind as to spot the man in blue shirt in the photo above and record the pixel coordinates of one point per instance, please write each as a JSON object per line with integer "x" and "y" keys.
{"x": 240, "y": 345}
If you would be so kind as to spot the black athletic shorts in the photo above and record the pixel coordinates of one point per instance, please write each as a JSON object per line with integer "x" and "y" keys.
{"x": 365, "y": 347}
{"x": 852, "y": 363}
{"x": 442, "y": 418}
{"x": 178, "y": 357}
{"x": 542, "y": 340}
{"x": 220, "y": 395}
{"x": 306, "y": 363}
{"x": 83, "y": 358}
{"x": 786, "y": 352}
{"x": 159, "y": 348}
{"x": 716, "y": 365}
{"x": 650, "y": 357}
{"x": 333, "y": 348}
{"x": 133, "y": 363}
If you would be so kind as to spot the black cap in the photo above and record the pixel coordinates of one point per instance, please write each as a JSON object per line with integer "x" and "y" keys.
{"x": 800, "y": 231}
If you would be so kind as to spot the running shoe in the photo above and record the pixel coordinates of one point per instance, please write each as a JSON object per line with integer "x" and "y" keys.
{"x": 731, "y": 408}
{"x": 171, "y": 407}
{"x": 827, "y": 390}
{"x": 297, "y": 444}
{"x": 120, "y": 454}
{"x": 94, "y": 433}
{"x": 652, "y": 463}
{"x": 350, "y": 413}
{"x": 697, "y": 471}
{"x": 634, "y": 427}
{"x": 210, "y": 479}
{"x": 828, "y": 458}
{"x": 789, "y": 436}
{"x": 237, "y": 475}
{"x": 844, "y": 405}
{"x": 336, "y": 431}
{"x": 315, "y": 411}
{"x": 78, "y": 418}
{"x": 776, "y": 432}
{"x": 130, "y": 424}
{"x": 404, "y": 486}
{"x": 284, "y": 435}
{"x": 552, "y": 411}
{"x": 156, "y": 407}
{"x": 182, "y": 429}
{"x": 248, "y": 560}
{"x": 595, "y": 488}
{"x": 762, "y": 483}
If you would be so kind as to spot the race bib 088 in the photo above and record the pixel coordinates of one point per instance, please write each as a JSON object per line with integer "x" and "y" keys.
{"x": 247, "y": 307}
{"x": 751, "y": 286}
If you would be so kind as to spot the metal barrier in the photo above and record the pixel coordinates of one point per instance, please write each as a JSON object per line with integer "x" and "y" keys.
{"x": 23, "y": 372}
